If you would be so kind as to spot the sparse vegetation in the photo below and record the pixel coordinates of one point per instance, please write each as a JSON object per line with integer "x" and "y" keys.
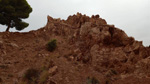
{"x": 43, "y": 77}
{"x": 34, "y": 76}
{"x": 92, "y": 80}
{"x": 31, "y": 75}
{"x": 52, "y": 45}
{"x": 85, "y": 55}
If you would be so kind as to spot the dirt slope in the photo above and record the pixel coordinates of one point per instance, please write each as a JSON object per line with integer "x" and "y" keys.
{"x": 89, "y": 51}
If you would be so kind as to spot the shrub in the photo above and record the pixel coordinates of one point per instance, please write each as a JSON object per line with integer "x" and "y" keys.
{"x": 31, "y": 75}
{"x": 52, "y": 45}
{"x": 92, "y": 80}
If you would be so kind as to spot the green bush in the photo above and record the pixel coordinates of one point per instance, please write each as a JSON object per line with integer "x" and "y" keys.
{"x": 52, "y": 45}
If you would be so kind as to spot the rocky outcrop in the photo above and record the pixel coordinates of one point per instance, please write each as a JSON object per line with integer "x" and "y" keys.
{"x": 99, "y": 43}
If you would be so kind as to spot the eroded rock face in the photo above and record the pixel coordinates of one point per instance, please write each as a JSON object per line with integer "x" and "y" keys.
{"x": 102, "y": 44}
{"x": 86, "y": 32}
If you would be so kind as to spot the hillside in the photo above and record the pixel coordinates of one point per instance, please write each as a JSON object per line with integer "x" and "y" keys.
{"x": 89, "y": 51}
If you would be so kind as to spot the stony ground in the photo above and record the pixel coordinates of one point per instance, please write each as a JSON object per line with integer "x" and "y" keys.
{"x": 89, "y": 51}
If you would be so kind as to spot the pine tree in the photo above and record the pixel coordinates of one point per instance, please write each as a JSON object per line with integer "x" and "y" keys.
{"x": 12, "y": 12}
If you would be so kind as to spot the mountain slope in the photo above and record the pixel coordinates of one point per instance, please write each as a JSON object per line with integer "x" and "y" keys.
{"x": 88, "y": 49}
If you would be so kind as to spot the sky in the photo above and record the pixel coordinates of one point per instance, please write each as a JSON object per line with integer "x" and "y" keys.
{"x": 132, "y": 16}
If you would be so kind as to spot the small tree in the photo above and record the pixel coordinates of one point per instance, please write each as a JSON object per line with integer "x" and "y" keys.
{"x": 12, "y": 12}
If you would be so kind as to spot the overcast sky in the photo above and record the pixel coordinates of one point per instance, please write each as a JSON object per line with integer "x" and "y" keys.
{"x": 132, "y": 16}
